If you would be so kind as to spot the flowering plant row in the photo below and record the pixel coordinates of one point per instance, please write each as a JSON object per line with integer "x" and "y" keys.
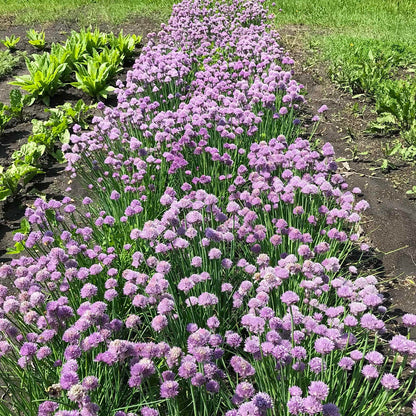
{"x": 207, "y": 271}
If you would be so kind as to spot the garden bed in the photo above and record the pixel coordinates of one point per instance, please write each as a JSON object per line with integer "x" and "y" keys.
{"x": 217, "y": 264}
{"x": 53, "y": 183}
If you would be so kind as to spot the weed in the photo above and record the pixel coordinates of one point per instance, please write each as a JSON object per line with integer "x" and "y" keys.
{"x": 8, "y": 62}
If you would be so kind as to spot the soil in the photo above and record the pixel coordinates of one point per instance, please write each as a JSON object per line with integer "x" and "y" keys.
{"x": 390, "y": 223}
{"x": 53, "y": 183}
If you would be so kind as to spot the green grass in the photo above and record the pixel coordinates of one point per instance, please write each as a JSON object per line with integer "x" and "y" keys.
{"x": 340, "y": 28}
{"x": 84, "y": 12}
{"x": 383, "y": 19}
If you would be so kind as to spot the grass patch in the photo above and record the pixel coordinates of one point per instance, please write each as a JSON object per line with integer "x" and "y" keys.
{"x": 85, "y": 12}
{"x": 394, "y": 20}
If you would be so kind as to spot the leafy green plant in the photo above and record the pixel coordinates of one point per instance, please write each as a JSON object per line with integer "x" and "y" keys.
{"x": 15, "y": 175}
{"x": 94, "y": 78}
{"x": 10, "y": 42}
{"x": 44, "y": 77}
{"x": 79, "y": 113}
{"x": 18, "y": 102}
{"x": 93, "y": 39}
{"x": 5, "y": 116}
{"x": 29, "y": 153}
{"x": 412, "y": 191}
{"x": 63, "y": 56}
{"x": 109, "y": 56}
{"x": 125, "y": 44}
{"x": 47, "y": 136}
{"x": 8, "y": 62}
{"x": 358, "y": 73}
{"x": 76, "y": 49}
{"x": 36, "y": 39}
{"x": 49, "y": 133}
{"x": 396, "y": 104}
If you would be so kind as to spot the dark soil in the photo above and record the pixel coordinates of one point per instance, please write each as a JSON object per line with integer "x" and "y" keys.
{"x": 390, "y": 223}
{"x": 53, "y": 183}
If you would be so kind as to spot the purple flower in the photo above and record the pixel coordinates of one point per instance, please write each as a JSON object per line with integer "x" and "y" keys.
{"x": 90, "y": 383}
{"x": 245, "y": 390}
{"x": 147, "y": 411}
{"x": 330, "y": 409}
{"x": 311, "y": 405}
{"x": 324, "y": 345}
{"x": 409, "y": 320}
{"x": 159, "y": 322}
{"x": 295, "y": 405}
{"x": 242, "y": 367}
{"x": 369, "y": 371}
{"x": 28, "y": 349}
{"x": 212, "y": 386}
{"x": 346, "y": 363}
{"x": 68, "y": 379}
{"x": 369, "y": 321}
{"x": 169, "y": 389}
{"x": 289, "y": 297}
{"x": 196, "y": 261}
{"x": 374, "y": 357}
{"x": 47, "y": 408}
{"x": 263, "y": 401}
{"x": 318, "y": 389}
{"x": 88, "y": 290}
{"x": 390, "y": 382}
{"x": 214, "y": 253}
{"x": 317, "y": 365}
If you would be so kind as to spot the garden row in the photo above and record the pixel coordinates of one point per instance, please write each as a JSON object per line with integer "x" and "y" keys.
{"x": 90, "y": 59}
{"x": 209, "y": 271}
{"x": 386, "y": 75}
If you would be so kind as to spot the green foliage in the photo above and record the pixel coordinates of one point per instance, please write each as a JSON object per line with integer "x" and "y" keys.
{"x": 14, "y": 176}
{"x": 396, "y": 99}
{"x": 112, "y": 57}
{"x": 49, "y": 133}
{"x": 396, "y": 105}
{"x": 18, "y": 102}
{"x": 8, "y": 62}
{"x": 93, "y": 39}
{"x": 94, "y": 56}
{"x": 10, "y": 42}
{"x": 52, "y": 133}
{"x": 44, "y": 77}
{"x": 124, "y": 44}
{"x": 361, "y": 74}
{"x": 94, "y": 78}
{"x": 29, "y": 153}
{"x": 5, "y": 116}
{"x": 78, "y": 114}
{"x": 63, "y": 55}
{"x": 412, "y": 191}
{"x": 76, "y": 49}
{"x": 36, "y": 39}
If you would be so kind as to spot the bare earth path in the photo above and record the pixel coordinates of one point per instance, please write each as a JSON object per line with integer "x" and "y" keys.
{"x": 390, "y": 223}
